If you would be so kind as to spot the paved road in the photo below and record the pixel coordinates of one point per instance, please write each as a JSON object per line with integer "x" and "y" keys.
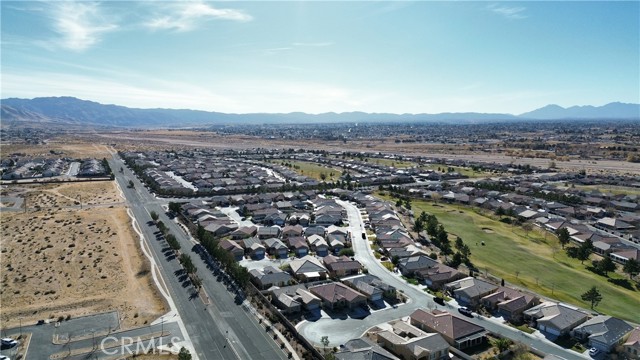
{"x": 340, "y": 331}
{"x": 221, "y": 330}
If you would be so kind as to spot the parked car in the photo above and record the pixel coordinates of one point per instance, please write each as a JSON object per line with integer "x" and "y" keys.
{"x": 439, "y": 300}
{"x": 593, "y": 351}
{"x": 9, "y": 342}
{"x": 40, "y": 322}
{"x": 2, "y": 357}
{"x": 465, "y": 311}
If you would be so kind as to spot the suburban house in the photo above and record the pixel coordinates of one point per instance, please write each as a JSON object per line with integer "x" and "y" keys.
{"x": 287, "y": 304}
{"x": 266, "y": 232}
{"x": 308, "y": 268}
{"x": 244, "y": 232}
{"x": 268, "y": 277}
{"x": 276, "y": 248}
{"x": 602, "y": 332}
{"x": 314, "y": 230}
{"x": 555, "y": 318}
{"x": 319, "y": 245}
{"x": 298, "y": 245}
{"x": 624, "y": 255}
{"x": 435, "y": 277}
{"x": 297, "y": 293}
{"x": 409, "y": 266}
{"x": 631, "y": 347}
{"x": 337, "y": 295}
{"x": 470, "y": 290}
{"x": 341, "y": 266}
{"x": 232, "y": 247}
{"x": 363, "y": 282}
{"x": 291, "y": 231}
{"x": 363, "y": 349}
{"x": 335, "y": 244}
{"x": 254, "y": 248}
{"x": 220, "y": 229}
{"x": 411, "y": 343}
{"x": 458, "y": 332}
{"x": 509, "y": 303}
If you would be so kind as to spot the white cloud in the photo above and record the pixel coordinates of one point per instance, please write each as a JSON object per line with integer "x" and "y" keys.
{"x": 187, "y": 15}
{"x": 509, "y": 12}
{"x": 79, "y": 24}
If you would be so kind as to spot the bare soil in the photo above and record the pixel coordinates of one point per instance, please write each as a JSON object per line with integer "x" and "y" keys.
{"x": 60, "y": 260}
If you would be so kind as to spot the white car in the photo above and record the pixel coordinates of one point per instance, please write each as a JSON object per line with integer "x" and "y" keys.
{"x": 593, "y": 351}
{"x": 2, "y": 357}
{"x": 9, "y": 342}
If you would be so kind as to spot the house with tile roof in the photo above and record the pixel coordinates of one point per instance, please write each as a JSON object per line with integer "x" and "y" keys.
{"x": 509, "y": 303}
{"x": 458, "y": 332}
{"x": 470, "y": 290}
{"x": 555, "y": 319}
{"x": 337, "y": 295}
{"x": 602, "y": 332}
{"x": 631, "y": 346}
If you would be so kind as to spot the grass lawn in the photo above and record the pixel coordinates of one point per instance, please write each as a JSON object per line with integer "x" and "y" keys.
{"x": 461, "y": 170}
{"x": 530, "y": 262}
{"x": 314, "y": 170}
{"x": 391, "y": 162}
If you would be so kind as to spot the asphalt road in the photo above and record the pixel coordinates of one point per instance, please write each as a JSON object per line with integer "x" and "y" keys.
{"x": 340, "y": 331}
{"x": 221, "y": 330}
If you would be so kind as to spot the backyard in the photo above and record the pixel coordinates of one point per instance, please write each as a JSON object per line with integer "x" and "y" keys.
{"x": 532, "y": 261}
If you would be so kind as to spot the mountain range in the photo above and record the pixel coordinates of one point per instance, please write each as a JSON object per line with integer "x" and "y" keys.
{"x": 70, "y": 111}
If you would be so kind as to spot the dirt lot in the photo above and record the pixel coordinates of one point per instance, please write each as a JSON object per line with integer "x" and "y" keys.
{"x": 60, "y": 260}
{"x": 69, "y": 148}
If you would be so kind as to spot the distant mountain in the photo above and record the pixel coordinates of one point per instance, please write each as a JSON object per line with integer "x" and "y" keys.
{"x": 72, "y": 111}
{"x": 614, "y": 110}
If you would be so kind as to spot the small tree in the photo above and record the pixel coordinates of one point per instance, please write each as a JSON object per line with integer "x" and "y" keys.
{"x": 563, "y": 236}
{"x": 631, "y": 267}
{"x": 527, "y": 227}
{"x": 593, "y": 296}
{"x": 606, "y": 265}
{"x": 154, "y": 216}
{"x": 323, "y": 176}
{"x": 325, "y": 342}
{"x": 174, "y": 207}
{"x": 184, "y": 354}
{"x": 501, "y": 344}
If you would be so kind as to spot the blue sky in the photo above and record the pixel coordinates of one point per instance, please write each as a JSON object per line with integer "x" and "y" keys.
{"x": 373, "y": 56}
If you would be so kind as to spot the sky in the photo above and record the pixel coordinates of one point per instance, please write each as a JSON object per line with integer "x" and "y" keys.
{"x": 324, "y": 56}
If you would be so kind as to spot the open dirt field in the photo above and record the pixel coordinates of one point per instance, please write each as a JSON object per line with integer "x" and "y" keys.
{"x": 60, "y": 260}
{"x": 69, "y": 148}
{"x": 177, "y": 139}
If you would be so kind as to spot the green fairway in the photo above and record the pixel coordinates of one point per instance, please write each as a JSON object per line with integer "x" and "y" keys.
{"x": 530, "y": 262}
{"x": 459, "y": 169}
{"x": 391, "y": 162}
{"x": 314, "y": 170}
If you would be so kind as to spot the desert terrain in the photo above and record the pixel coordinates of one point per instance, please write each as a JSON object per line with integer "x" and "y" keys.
{"x": 61, "y": 260}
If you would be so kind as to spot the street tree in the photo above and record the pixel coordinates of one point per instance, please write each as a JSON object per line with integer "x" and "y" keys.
{"x": 154, "y": 216}
{"x": 325, "y": 342}
{"x": 592, "y": 296}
